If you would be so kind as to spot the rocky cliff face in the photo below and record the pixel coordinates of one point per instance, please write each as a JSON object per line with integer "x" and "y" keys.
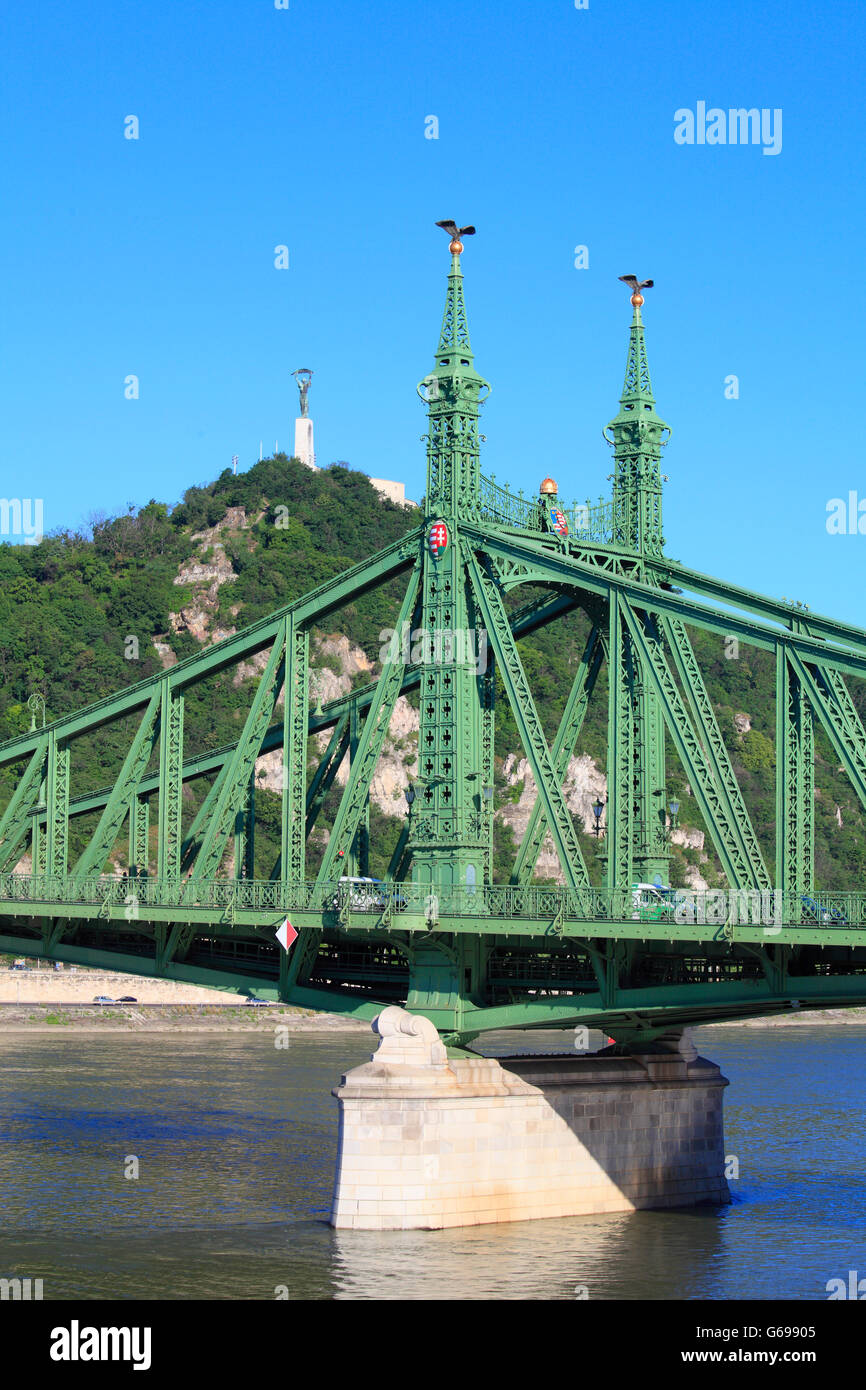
{"x": 204, "y": 575}
{"x": 583, "y": 783}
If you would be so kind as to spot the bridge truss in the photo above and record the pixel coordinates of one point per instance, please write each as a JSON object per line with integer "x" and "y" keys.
{"x": 439, "y": 935}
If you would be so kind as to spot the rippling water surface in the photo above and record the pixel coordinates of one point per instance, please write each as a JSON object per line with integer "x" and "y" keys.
{"x": 236, "y": 1143}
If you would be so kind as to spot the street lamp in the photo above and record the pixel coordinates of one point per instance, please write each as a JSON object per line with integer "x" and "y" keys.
{"x": 674, "y": 808}
{"x": 36, "y": 706}
{"x": 598, "y": 810}
{"x": 410, "y": 794}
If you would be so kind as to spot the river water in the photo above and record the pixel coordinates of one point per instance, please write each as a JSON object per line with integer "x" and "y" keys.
{"x": 235, "y": 1142}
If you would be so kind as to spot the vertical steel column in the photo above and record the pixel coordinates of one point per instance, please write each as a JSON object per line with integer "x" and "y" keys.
{"x": 620, "y": 754}
{"x": 450, "y": 838}
{"x": 295, "y": 733}
{"x": 37, "y": 849}
{"x": 487, "y": 682}
{"x": 795, "y": 781}
{"x": 57, "y": 803}
{"x": 139, "y": 835}
{"x": 170, "y": 784}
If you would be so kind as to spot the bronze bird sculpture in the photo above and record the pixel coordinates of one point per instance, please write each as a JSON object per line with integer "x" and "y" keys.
{"x": 455, "y": 234}
{"x": 636, "y": 286}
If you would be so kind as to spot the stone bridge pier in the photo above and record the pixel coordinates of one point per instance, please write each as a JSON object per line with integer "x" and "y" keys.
{"x": 429, "y": 1140}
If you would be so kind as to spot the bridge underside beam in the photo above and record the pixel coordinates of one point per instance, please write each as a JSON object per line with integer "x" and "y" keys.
{"x": 628, "y": 1013}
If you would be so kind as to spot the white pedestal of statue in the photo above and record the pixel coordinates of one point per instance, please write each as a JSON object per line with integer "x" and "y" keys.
{"x": 304, "y": 442}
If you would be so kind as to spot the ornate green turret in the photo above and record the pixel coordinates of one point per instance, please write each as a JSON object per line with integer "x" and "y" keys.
{"x": 637, "y": 437}
{"x": 453, "y": 391}
{"x": 636, "y": 754}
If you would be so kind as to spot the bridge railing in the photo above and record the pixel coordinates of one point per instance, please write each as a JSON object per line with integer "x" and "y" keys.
{"x": 546, "y": 905}
{"x": 594, "y": 522}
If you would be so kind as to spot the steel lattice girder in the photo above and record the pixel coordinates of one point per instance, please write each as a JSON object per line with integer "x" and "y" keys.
{"x": 620, "y": 754}
{"x": 366, "y": 756}
{"x": 295, "y": 724}
{"x": 714, "y": 806}
{"x": 311, "y": 608}
{"x": 615, "y": 1008}
{"x": 18, "y": 816}
{"x": 672, "y": 572}
{"x": 327, "y": 770}
{"x": 526, "y": 716}
{"x": 356, "y": 792}
{"x": 564, "y": 745}
{"x": 191, "y": 845}
{"x": 126, "y": 786}
{"x": 795, "y": 751}
{"x": 50, "y": 755}
{"x": 235, "y": 784}
{"x": 170, "y": 782}
{"x": 139, "y": 835}
{"x": 57, "y": 801}
{"x": 849, "y": 722}
{"x": 541, "y": 564}
{"x": 245, "y": 832}
{"x": 714, "y": 746}
{"x": 534, "y": 615}
{"x": 503, "y": 911}
{"x": 828, "y": 694}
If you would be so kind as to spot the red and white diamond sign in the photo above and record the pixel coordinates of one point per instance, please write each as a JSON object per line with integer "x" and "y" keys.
{"x": 438, "y": 537}
{"x": 286, "y": 934}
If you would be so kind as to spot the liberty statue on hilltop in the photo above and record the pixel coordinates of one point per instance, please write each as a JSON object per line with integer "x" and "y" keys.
{"x": 303, "y": 424}
{"x": 304, "y": 376}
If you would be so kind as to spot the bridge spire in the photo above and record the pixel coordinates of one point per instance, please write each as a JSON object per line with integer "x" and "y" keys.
{"x": 453, "y": 392}
{"x": 638, "y": 844}
{"x": 637, "y": 436}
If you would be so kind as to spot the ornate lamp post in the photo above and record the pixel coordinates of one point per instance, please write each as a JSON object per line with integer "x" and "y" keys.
{"x": 36, "y": 705}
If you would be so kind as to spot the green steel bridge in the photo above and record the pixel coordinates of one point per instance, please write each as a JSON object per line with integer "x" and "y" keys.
{"x": 438, "y": 935}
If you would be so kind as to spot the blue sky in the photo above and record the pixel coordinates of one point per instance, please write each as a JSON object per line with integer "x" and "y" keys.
{"x": 306, "y": 127}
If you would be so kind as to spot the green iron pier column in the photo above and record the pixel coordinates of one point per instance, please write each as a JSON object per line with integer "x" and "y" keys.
{"x": 450, "y": 832}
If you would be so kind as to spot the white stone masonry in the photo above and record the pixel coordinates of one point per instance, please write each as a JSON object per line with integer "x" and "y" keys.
{"x": 428, "y": 1141}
